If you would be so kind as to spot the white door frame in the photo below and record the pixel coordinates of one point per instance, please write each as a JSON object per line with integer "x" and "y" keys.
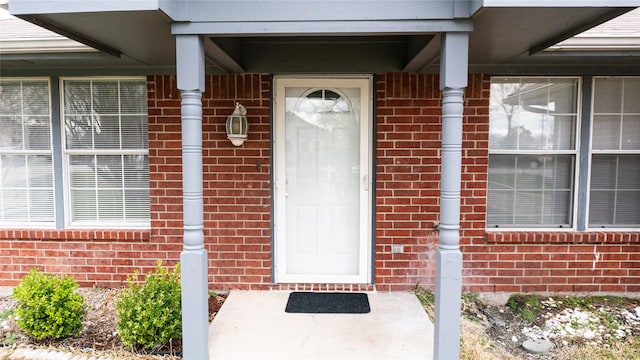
{"x": 365, "y": 229}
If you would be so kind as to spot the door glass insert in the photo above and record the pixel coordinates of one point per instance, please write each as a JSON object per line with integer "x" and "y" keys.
{"x": 322, "y": 165}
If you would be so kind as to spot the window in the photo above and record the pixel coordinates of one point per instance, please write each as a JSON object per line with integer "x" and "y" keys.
{"x": 26, "y": 165}
{"x": 87, "y": 166}
{"x": 532, "y": 152}
{"x": 614, "y": 195}
{"x": 105, "y": 150}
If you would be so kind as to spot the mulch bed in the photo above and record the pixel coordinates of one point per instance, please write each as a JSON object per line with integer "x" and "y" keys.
{"x": 99, "y": 332}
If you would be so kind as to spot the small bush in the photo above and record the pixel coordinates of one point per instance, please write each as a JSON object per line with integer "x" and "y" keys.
{"x": 48, "y": 306}
{"x": 150, "y": 314}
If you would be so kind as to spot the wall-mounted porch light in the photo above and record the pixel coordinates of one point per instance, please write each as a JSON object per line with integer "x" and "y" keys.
{"x": 237, "y": 126}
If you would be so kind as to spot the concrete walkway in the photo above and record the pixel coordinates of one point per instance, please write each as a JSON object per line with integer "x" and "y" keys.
{"x": 253, "y": 325}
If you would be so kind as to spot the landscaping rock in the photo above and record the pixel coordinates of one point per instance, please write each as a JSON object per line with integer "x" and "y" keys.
{"x": 537, "y": 346}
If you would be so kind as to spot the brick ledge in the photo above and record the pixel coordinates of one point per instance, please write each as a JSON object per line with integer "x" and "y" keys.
{"x": 514, "y": 237}
{"x": 77, "y": 234}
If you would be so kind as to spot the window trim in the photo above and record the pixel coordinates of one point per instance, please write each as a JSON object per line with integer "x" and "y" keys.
{"x": 51, "y": 152}
{"x": 590, "y": 152}
{"x": 61, "y": 219}
{"x": 65, "y": 153}
{"x": 576, "y": 152}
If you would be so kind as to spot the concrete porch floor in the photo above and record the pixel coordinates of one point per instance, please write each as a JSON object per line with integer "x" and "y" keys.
{"x": 254, "y": 325}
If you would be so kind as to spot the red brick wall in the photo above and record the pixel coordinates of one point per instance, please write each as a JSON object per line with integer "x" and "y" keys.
{"x": 558, "y": 262}
{"x": 237, "y": 206}
{"x": 408, "y": 136}
{"x": 237, "y": 198}
{"x": 408, "y": 146}
{"x": 104, "y": 260}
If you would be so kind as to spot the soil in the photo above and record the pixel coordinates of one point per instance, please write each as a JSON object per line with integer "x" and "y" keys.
{"x": 500, "y": 324}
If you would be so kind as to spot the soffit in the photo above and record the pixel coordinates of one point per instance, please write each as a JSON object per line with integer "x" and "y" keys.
{"x": 501, "y": 41}
{"x": 614, "y": 36}
{"x": 512, "y": 40}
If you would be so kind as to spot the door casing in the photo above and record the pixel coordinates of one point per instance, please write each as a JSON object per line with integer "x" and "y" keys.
{"x": 365, "y": 84}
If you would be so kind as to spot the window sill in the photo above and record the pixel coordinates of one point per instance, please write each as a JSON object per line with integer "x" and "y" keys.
{"x": 560, "y": 237}
{"x": 77, "y": 234}
{"x": 531, "y": 229}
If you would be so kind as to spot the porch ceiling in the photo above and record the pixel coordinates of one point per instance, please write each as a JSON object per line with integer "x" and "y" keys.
{"x": 503, "y": 40}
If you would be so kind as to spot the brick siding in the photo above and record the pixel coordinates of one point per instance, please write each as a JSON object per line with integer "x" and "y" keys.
{"x": 237, "y": 204}
{"x": 236, "y": 180}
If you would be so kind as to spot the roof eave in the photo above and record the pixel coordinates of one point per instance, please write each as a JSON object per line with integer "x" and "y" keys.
{"x": 37, "y": 7}
{"x": 42, "y": 46}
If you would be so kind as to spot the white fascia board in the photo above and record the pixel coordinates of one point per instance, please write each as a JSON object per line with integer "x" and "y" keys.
{"x": 42, "y": 46}
{"x": 36, "y": 7}
{"x": 598, "y": 43}
{"x": 561, "y": 3}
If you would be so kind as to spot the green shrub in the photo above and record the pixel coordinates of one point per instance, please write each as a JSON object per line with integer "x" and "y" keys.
{"x": 48, "y": 306}
{"x": 150, "y": 314}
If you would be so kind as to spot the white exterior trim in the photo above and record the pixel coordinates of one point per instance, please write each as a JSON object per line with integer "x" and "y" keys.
{"x": 366, "y": 217}
{"x": 66, "y": 180}
{"x": 42, "y": 46}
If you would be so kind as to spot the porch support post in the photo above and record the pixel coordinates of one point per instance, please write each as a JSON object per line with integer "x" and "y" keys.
{"x": 193, "y": 259}
{"x": 453, "y": 81}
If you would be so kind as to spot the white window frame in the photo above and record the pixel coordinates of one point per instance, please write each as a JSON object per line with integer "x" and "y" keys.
{"x": 604, "y": 152}
{"x": 50, "y": 152}
{"x": 575, "y": 152}
{"x": 66, "y": 153}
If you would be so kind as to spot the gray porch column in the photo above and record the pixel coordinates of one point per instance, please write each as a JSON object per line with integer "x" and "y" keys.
{"x": 193, "y": 260}
{"x": 453, "y": 80}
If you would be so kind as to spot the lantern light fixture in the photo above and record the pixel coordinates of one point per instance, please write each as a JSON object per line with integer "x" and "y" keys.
{"x": 237, "y": 126}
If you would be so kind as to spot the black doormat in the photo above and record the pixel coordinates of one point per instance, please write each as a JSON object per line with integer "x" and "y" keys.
{"x": 328, "y": 303}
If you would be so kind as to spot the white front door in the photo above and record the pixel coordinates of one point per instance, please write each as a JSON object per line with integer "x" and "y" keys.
{"x": 322, "y": 165}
